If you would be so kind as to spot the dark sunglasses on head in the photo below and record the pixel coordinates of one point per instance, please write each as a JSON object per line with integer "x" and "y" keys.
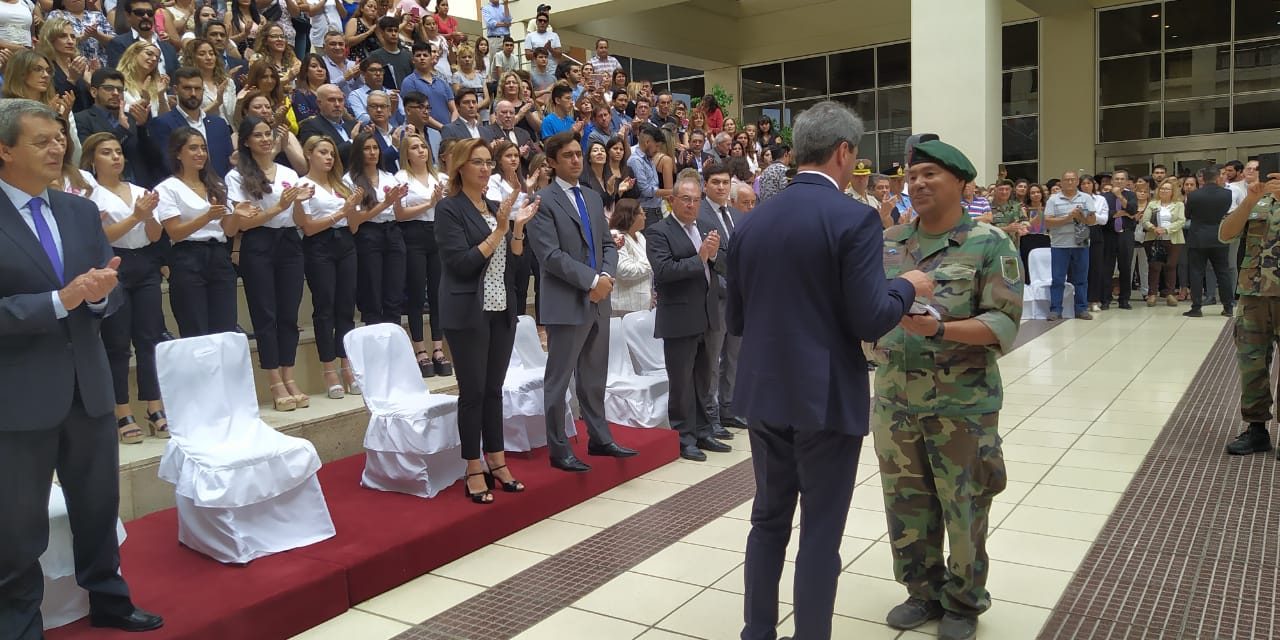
{"x": 144, "y": 13}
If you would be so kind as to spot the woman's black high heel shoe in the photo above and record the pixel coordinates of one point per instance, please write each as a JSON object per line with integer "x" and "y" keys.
{"x": 515, "y": 486}
{"x": 484, "y": 497}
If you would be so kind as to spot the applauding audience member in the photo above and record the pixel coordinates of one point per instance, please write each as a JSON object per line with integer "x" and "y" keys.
{"x": 416, "y": 214}
{"x": 379, "y": 243}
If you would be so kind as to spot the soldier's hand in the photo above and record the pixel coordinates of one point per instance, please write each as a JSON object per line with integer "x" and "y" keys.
{"x": 921, "y": 281}
{"x": 925, "y": 325}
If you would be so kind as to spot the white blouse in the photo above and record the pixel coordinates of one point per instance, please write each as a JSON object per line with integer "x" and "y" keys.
{"x": 386, "y": 182}
{"x": 285, "y": 178}
{"x": 177, "y": 200}
{"x": 117, "y": 210}
{"x": 499, "y": 189}
{"x": 323, "y": 204}
{"x": 420, "y": 193}
{"x": 1164, "y": 217}
{"x": 88, "y": 177}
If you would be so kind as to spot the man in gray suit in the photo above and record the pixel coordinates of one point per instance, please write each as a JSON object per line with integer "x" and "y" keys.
{"x": 59, "y": 273}
{"x": 571, "y": 241}
{"x": 715, "y": 211}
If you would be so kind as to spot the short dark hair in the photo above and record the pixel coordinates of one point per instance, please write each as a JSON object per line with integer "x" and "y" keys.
{"x": 421, "y": 46}
{"x": 648, "y": 129}
{"x": 186, "y": 73}
{"x": 621, "y": 92}
{"x": 413, "y": 97}
{"x": 1159, "y": 166}
{"x": 368, "y": 62}
{"x": 559, "y": 141}
{"x": 559, "y": 91}
{"x": 625, "y": 212}
{"x": 1210, "y": 173}
{"x": 463, "y": 92}
{"x": 714, "y": 169}
{"x": 599, "y": 40}
{"x": 1235, "y": 164}
{"x": 106, "y": 73}
{"x": 1005, "y": 183}
{"x": 388, "y": 22}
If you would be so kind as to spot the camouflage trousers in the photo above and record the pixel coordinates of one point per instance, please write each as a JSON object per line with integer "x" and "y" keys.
{"x": 939, "y": 475}
{"x": 1257, "y": 326}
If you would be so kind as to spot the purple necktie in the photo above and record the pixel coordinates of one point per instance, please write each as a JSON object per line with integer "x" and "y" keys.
{"x": 45, "y": 234}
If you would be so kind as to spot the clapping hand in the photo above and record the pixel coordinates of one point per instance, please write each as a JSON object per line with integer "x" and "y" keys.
{"x": 144, "y": 207}
{"x": 217, "y": 212}
{"x": 90, "y": 286}
{"x": 353, "y": 201}
{"x": 710, "y": 245}
{"x": 527, "y": 212}
{"x": 246, "y": 210}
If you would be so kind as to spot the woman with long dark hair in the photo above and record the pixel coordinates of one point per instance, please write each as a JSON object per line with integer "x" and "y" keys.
{"x": 715, "y": 116}
{"x": 616, "y": 169}
{"x": 244, "y": 22}
{"x": 380, "y": 257}
{"x": 416, "y": 213}
{"x": 314, "y": 75}
{"x": 1037, "y": 236}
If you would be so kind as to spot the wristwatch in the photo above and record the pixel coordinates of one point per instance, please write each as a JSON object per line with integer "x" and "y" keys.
{"x": 937, "y": 334}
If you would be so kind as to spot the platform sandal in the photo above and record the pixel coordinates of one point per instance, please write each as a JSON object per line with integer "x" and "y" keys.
{"x": 484, "y": 497}
{"x": 158, "y": 423}
{"x": 130, "y": 432}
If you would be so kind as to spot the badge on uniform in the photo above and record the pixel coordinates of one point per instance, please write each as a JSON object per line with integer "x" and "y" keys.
{"x": 1010, "y": 269}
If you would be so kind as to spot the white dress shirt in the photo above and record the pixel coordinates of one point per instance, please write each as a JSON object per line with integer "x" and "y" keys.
{"x": 285, "y": 178}
{"x": 499, "y": 189}
{"x": 385, "y": 183}
{"x": 568, "y": 188}
{"x": 722, "y": 212}
{"x": 420, "y": 193}
{"x": 177, "y": 200}
{"x": 695, "y": 236}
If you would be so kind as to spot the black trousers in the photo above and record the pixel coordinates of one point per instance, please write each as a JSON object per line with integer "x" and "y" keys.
{"x": 137, "y": 324}
{"x": 652, "y": 216}
{"x": 817, "y": 468}
{"x": 528, "y": 269}
{"x": 1096, "y": 233}
{"x": 1025, "y": 245}
{"x": 202, "y": 287}
{"x": 1117, "y": 251}
{"x": 329, "y": 259}
{"x": 422, "y": 277}
{"x": 84, "y": 452}
{"x": 271, "y": 267}
{"x": 1219, "y": 260}
{"x": 690, "y": 370}
{"x": 480, "y": 358}
{"x": 380, "y": 272}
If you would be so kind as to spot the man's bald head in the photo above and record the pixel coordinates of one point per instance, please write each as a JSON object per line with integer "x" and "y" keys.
{"x": 331, "y": 100}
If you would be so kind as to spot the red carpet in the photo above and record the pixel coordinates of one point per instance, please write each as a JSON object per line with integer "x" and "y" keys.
{"x": 384, "y": 540}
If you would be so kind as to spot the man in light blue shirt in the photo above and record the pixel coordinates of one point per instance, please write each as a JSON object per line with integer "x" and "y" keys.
{"x": 497, "y": 22}
{"x": 358, "y": 99}
{"x": 1068, "y": 215}
{"x": 641, "y": 164}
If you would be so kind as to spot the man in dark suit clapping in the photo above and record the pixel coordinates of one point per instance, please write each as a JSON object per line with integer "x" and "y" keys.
{"x": 808, "y": 253}
{"x": 58, "y": 286}
{"x": 127, "y": 125}
{"x": 332, "y": 121}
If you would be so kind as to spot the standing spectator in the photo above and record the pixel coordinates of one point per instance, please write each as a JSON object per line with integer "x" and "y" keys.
{"x": 542, "y": 38}
{"x": 361, "y": 31}
{"x": 380, "y": 257}
{"x": 140, "y": 16}
{"x": 496, "y": 15}
{"x": 603, "y": 66}
{"x": 472, "y": 79}
{"x": 641, "y": 163}
{"x": 342, "y": 70}
{"x": 504, "y": 59}
{"x": 447, "y": 25}
{"x": 189, "y": 87}
{"x": 90, "y": 26}
{"x": 15, "y": 24}
{"x": 1097, "y": 279}
{"x": 326, "y": 17}
{"x": 144, "y": 84}
{"x": 1067, "y": 216}
{"x": 1007, "y": 213}
{"x": 1205, "y": 209}
{"x": 1142, "y": 188}
{"x": 70, "y": 70}
{"x": 1117, "y": 239}
{"x": 441, "y": 106}
{"x": 561, "y": 118}
{"x": 715, "y": 212}
{"x": 774, "y": 177}
{"x": 396, "y": 60}
{"x": 244, "y": 22}
{"x": 977, "y": 206}
{"x": 1163, "y": 221}
{"x": 416, "y": 214}
{"x": 128, "y": 128}
{"x": 219, "y": 90}
{"x": 635, "y": 275}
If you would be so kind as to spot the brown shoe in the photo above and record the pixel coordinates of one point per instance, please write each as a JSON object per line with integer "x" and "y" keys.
{"x": 1171, "y": 300}
{"x": 1151, "y": 301}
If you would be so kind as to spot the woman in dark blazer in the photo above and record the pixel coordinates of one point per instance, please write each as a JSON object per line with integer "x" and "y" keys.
{"x": 481, "y": 245}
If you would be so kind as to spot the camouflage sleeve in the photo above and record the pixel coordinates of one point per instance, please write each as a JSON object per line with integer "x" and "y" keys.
{"x": 1000, "y": 279}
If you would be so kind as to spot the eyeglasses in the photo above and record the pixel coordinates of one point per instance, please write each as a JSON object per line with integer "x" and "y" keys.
{"x": 689, "y": 199}
{"x": 276, "y": 36}
{"x": 144, "y": 13}
{"x": 110, "y": 88}
{"x": 379, "y": 107}
{"x": 482, "y": 164}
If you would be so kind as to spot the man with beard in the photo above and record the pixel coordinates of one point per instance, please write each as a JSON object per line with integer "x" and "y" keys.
{"x": 189, "y": 87}
{"x": 127, "y": 125}
{"x": 141, "y": 16}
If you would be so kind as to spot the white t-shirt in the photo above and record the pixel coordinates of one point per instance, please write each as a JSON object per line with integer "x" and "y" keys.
{"x": 386, "y": 182}
{"x": 320, "y": 22}
{"x": 499, "y": 189}
{"x": 177, "y": 200}
{"x": 1239, "y": 189}
{"x": 421, "y": 193}
{"x": 15, "y": 22}
{"x": 117, "y": 210}
{"x": 285, "y": 178}
{"x": 88, "y": 177}
{"x": 537, "y": 40}
{"x": 323, "y": 204}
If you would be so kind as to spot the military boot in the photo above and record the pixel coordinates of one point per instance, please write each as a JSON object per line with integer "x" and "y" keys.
{"x": 1254, "y": 440}
{"x": 957, "y": 627}
{"x": 913, "y": 613}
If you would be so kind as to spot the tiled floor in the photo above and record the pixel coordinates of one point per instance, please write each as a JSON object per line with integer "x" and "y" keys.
{"x": 1084, "y": 402}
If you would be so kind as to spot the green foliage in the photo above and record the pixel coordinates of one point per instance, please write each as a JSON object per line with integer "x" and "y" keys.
{"x": 785, "y": 132}
{"x": 724, "y": 98}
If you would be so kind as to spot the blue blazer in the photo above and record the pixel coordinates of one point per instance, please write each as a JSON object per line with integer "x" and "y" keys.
{"x": 806, "y": 286}
{"x": 218, "y": 139}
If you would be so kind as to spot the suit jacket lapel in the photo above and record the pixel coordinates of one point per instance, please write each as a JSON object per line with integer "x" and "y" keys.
{"x": 570, "y": 207}
{"x": 12, "y": 225}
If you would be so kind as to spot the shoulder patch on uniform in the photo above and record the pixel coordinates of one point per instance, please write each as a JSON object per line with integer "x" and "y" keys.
{"x": 1010, "y": 269}
{"x": 898, "y": 232}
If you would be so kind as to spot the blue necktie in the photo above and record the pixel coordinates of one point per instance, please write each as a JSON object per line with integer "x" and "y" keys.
{"x": 45, "y": 234}
{"x": 586, "y": 226}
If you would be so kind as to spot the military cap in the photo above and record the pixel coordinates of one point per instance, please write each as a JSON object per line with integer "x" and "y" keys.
{"x": 894, "y": 170}
{"x": 862, "y": 168}
{"x": 946, "y": 156}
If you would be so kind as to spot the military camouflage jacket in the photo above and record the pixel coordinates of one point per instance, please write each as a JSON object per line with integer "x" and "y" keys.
{"x": 1007, "y": 213}
{"x": 978, "y": 275}
{"x": 1260, "y": 268}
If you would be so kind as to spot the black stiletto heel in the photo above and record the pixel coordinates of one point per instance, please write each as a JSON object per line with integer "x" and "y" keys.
{"x": 483, "y": 497}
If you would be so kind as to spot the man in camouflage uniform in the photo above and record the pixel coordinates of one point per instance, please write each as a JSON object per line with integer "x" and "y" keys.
{"x": 938, "y": 397}
{"x": 1257, "y": 315}
{"x": 1007, "y": 213}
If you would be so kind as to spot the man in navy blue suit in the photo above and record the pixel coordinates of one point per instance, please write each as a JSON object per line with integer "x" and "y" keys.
{"x": 808, "y": 257}
{"x": 189, "y": 86}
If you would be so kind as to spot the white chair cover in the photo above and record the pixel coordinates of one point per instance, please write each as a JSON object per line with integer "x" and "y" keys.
{"x": 244, "y": 490}
{"x": 631, "y": 399}
{"x": 408, "y": 425}
{"x": 1035, "y": 296}
{"x": 523, "y": 408}
{"x": 64, "y": 600}
{"x": 646, "y": 350}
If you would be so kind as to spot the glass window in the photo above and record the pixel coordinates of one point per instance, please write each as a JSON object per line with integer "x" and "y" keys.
{"x": 1129, "y": 80}
{"x": 1129, "y": 123}
{"x": 867, "y": 148}
{"x": 1023, "y": 171}
{"x": 1256, "y": 19}
{"x": 625, "y": 64}
{"x": 1257, "y": 111}
{"x": 891, "y": 147}
{"x": 863, "y": 104}
{"x": 1129, "y": 30}
{"x": 795, "y": 108}
{"x": 753, "y": 114}
{"x": 853, "y": 70}
{"x": 683, "y": 72}
{"x": 646, "y": 70}
{"x": 1258, "y": 65}
{"x": 1195, "y": 22}
{"x": 1021, "y": 138}
{"x": 762, "y": 84}
{"x": 894, "y": 108}
{"x": 687, "y": 89}
{"x": 1020, "y": 45}
{"x": 1021, "y": 92}
{"x": 1197, "y": 72}
{"x": 1194, "y": 117}
{"x": 805, "y": 78}
{"x": 893, "y": 64}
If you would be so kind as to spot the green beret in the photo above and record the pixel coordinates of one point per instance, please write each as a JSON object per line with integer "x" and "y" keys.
{"x": 945, "y": 155}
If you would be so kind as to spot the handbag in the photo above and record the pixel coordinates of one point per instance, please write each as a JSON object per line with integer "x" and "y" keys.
{"x": 1159, "y": 251}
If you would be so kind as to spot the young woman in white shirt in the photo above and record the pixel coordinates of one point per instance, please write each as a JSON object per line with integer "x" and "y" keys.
{"x": 416, "y": 213}
{"x": 380, "y": 255}
{"x": 329, "y": 256}
{"x": 193, "y": 211}
{"x": 270, "y": 255}
{"x": 129, "y": 222}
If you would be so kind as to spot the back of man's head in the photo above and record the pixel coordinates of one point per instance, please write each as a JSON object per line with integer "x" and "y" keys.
{"x": 821, "y": 129}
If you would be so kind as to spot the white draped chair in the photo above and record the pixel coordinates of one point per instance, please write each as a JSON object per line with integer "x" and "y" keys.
{"x": 524, "y": 423}
{"x": 646, "y": 350}
{"x": 1035, "y": 296}
{"x": 64, "y": 601}
{"x": 632, "y": 399}
{"x": 244, "y": 490}
{"x": 412, "y": 444}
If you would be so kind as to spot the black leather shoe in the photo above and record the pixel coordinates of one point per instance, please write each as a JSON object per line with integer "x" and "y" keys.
{"x": 721, "y": 433}
{"x": 1194, "y": 312}
{"x": 711, "y": 444}
{"x": 1227, "y": 312}
{"x": 733, "y": 421}
{"x": 1126, "y": 306}
{"x": 1253, "y": 440}
{"x": 691, "y": 452}
{"x": 570, "y": 463}
{"x": 613, "y": 450}
{"x": 165, "y": 336}
{"x": 139, "y": 620}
